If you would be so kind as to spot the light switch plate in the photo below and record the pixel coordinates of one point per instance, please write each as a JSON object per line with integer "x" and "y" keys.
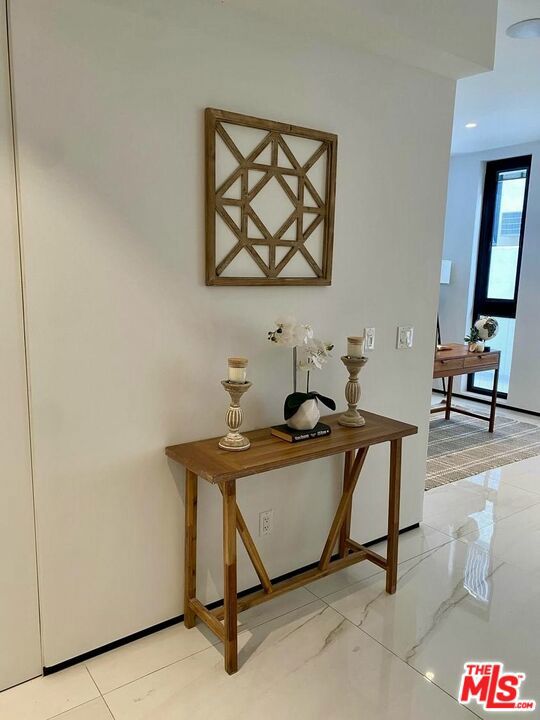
{"x": 369, "y": 335}
{"x": 405, "y": 337}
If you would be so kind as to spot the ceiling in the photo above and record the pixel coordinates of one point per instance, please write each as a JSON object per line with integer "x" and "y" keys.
{"x": 453, "y": 38}
{"x": 505, "y": 103}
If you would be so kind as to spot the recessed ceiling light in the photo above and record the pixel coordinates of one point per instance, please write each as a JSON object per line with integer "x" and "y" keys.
{"x": 525, "y": 29}
{"x": 471, "y": 125}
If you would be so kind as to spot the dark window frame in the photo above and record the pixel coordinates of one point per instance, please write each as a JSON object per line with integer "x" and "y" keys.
{"x": 483, "y": 305}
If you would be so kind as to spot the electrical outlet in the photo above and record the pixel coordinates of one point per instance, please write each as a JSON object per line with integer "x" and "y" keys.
{"x": 266, "y": 522}
{"x": 405, "y": 335}
{"x": 369, "y": 335}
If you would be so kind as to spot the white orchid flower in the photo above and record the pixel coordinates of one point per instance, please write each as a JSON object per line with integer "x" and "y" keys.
{"x": 309, "y": 352}
{"x": 285, "y": 333}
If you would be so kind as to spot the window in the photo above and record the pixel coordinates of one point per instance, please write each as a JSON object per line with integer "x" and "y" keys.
{"x": 511, "y": 224}
{"x": 499, "y": 260}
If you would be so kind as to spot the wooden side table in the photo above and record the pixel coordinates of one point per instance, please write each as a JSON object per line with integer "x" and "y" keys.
{"x": 459, "y": 361}
{"x": 206, "y": 460}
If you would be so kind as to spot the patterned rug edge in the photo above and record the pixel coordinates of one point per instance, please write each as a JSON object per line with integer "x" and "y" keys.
{"x": 460, "y": 472}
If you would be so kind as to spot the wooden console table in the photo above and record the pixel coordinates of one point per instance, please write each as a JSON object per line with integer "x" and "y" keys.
{"x": 206, "y": 460}
{"x": 459, "y": 361}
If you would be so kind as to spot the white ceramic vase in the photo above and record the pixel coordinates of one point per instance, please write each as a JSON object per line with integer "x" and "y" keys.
{"x": 476, "y": 347}
{"x": 306, "y": 417}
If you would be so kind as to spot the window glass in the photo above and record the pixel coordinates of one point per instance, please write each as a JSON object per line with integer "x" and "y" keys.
{"x": 503, "y": 341}
{"x": 503, "y": 265}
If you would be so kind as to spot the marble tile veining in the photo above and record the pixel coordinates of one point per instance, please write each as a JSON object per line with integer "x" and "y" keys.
{"x": 515, "y": 539}
{"x": 453, "y": 604}
{"x": 311, "y": 663}
{"x": 464, "y": 506}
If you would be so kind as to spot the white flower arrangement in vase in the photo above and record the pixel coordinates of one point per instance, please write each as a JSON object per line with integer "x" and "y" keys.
{"x": 301, "y": 409}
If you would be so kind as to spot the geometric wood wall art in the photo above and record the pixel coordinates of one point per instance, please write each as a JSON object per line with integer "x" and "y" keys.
{"x": 270, "y": 194}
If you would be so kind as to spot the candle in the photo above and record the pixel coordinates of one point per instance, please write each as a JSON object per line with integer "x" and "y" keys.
{"x": 355, "y": 346}
{"x": 237, "y": 369}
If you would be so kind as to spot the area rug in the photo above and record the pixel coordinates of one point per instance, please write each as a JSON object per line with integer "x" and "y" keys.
{"x": 462, "y": 446}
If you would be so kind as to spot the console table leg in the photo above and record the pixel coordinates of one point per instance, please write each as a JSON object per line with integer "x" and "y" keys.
{"x": 230, "y": 604}
{"x": 449, "y": 398}
{"x": 190, "y": 548}
{"x": 393, "y": 516}
{"x": 346, "y": 527}
{"x": 493, "y": 401}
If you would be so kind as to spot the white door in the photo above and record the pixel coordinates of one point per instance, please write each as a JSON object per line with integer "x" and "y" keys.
{"x": 20, "y": 651}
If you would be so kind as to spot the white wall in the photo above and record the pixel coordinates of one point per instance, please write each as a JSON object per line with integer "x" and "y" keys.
{"x": 20, "y": 653}
{"x": 127, "y": 345}
{"x": 465, "y": 188}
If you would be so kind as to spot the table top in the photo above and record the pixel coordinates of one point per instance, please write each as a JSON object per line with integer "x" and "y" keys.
{"x": 458, "y": 351}
{"x": 267, "y": 452}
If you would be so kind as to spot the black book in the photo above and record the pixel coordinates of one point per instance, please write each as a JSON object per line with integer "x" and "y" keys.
{"x": 284, "y": 432}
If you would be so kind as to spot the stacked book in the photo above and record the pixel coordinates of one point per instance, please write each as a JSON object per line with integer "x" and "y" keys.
{"x": 284, "y": 432}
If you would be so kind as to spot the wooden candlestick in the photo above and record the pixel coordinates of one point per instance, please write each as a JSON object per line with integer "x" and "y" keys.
{"x": 352, "y": 418}
{"x": 234, "y": 440}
